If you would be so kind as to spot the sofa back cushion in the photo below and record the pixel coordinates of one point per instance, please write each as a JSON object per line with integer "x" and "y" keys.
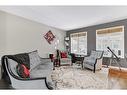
{"x": 34, "y": 59}
{"x": 99, "y": 54}
{"x": 93, "y": 53}
{"x": 96, "y": 54}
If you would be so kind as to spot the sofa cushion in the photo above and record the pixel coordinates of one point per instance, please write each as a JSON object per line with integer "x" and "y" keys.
{"x": 90, "y": 60}
{"x": 34, "y": 59}
{"x": 22, "y": 71}
{"x": 43, "y": 70}
{"x": 65, "y": 60}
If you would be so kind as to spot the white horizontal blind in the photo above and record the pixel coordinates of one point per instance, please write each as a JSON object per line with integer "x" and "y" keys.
{"x": 79, "y": 43}
{"x": 112, "y": 37}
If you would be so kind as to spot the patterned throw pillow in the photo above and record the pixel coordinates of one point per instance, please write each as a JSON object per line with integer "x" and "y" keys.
{"x": 34, "y": 59}
{"x": 63, "y": 55}
{"x": 22, "y": 71}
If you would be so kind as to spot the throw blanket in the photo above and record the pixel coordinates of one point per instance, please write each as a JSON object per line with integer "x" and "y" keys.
{"x": 22, "y": 58}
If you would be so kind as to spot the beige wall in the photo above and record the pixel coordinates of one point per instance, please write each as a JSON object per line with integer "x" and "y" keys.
{"x": 2, "y": 33}
{"x": 24, "y": 35}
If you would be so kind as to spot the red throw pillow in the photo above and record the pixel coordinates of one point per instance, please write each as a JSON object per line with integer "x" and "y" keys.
{"x": 63, "y": 55}
{"x": 23, "y": 71}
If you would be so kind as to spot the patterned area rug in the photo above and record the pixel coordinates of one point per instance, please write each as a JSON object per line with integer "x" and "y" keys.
{"x": 73, "y": 77}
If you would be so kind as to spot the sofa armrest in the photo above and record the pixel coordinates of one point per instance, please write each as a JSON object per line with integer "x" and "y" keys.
{"x": 101, "y": 55}
{"x": 31, "y": 83}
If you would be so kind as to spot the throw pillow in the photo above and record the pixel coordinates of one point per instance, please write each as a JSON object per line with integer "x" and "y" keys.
{"x": 63, "y": 55}
{"x": 34, "y": 59}
{"x": 22, "y": 71}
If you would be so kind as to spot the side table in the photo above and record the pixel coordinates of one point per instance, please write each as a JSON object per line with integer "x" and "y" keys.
{"x": 79, "y": 60}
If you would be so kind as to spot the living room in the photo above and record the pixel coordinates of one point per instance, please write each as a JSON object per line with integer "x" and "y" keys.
{"x": 46, "y": 32}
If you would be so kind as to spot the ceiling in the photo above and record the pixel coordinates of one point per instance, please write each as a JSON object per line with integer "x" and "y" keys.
{"x": 69, "y": 17}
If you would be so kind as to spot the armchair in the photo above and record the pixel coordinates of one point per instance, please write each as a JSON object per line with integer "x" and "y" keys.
{"x": 94, "y": 61}
{"x": 63, "y": 57}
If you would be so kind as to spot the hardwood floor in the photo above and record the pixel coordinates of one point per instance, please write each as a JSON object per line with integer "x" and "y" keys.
{"x": 116, "y": 72}
{"x": 117, "y": 78}
{"x": 4, "y": 85}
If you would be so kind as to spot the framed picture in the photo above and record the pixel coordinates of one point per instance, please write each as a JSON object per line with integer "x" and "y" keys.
{"x": 49, "y": 36}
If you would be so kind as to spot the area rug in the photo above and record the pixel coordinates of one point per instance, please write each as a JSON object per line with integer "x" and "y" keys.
{"x": 73, "y": 77}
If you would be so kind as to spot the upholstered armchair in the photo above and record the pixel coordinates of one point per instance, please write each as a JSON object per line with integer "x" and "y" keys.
{"x": 94, "y": 61}
{"x": 63, "y": 57}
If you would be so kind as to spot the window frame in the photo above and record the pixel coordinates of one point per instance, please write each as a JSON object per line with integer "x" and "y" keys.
{"x": 122, "y": 26}
{"x": 78, "y": 43}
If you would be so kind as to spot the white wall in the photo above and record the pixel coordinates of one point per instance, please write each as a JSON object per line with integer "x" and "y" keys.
{"x": 24, "y": 35}
{"x": 2, "y": 33}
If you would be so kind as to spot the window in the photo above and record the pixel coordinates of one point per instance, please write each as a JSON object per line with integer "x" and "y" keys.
{"x": 112, "y": 37}
{"x": 79, "y": 43}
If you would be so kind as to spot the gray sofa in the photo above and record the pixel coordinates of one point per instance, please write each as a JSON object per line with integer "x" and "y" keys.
{"x": 43, "y": 70}
{"x": 40, "y": 74}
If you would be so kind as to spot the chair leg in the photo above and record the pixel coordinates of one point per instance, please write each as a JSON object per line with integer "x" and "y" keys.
{"x": 94, "y": 68}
